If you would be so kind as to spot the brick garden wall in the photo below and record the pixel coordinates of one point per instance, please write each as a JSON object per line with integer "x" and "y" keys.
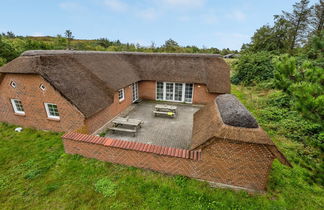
{"x": 33, "y": 99}
{"x": 229, "y": 163}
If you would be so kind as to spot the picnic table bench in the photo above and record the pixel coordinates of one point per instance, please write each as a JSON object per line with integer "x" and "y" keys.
{"x": 125, "y": 124}
{"x": 166, "y": 110}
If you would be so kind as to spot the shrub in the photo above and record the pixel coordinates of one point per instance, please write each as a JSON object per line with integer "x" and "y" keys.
{"x": 252, "y": 68}
{"x": 304, "y": 82}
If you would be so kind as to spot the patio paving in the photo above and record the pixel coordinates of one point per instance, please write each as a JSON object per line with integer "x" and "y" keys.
{"x": 171, "y": 132}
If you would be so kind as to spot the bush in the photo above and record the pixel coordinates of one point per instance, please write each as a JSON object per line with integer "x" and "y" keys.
{"x": 304, "y": 82}
{"x": 252, "y": 68}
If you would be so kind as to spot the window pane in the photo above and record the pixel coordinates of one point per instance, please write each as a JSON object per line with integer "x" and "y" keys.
{"x": 178, "y": 92}
{"x": 121, "y": 94}
{"x": 159, "y": 91}
{"x": 188, "y": 92}
{"x": 19, "y": 106}
{"x": 169, "y": 91}
{"x": 53, "y": 111}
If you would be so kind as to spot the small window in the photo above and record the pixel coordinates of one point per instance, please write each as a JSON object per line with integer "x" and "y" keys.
{"x": 121, "y": 94}
{"x": 42, "y": 87}
{"x": 13, "y": 84}
{"x": 17, "y": 106}
{"x": 52, "y": 111}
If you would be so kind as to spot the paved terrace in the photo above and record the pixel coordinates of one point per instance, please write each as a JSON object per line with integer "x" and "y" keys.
{"x": 171, "y": 132}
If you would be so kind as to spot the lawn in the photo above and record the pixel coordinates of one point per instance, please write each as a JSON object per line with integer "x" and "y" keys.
{"x": 35, "y": 173}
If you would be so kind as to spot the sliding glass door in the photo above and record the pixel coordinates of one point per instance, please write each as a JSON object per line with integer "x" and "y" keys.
{"x": 171, "y": 91}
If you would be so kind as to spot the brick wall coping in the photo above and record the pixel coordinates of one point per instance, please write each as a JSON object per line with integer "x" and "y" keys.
{"x": 137, "y": 146}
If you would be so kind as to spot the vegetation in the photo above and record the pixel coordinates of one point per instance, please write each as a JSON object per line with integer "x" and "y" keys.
{"x": 11, "y": 46}
{"x": 252, "y": 68}
{"x": 35, "y": 171}
{"x": 289, "y": 57}
{"x": 291, "y": 31}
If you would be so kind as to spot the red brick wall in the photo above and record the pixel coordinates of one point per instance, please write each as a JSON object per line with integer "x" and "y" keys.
{"x": 236, "y": 164}
{"x": 201, "y": 94}
{"x": 101, "y": 118}
{"x": 33, "y": 99}
{"x": 147, "y": 90}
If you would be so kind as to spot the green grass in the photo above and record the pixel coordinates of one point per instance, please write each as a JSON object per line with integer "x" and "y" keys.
{"x": 35, "y": 173}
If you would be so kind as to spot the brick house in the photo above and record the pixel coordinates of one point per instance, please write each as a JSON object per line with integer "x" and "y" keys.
{"x": 63, "y": 91}
{"x": 79, "y": 92}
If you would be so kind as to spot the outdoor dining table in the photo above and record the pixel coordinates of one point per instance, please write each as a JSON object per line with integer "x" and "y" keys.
{"x": 127, "y": 121}
{"x": 126, "y": 124}
{"x": 164, "y": 109}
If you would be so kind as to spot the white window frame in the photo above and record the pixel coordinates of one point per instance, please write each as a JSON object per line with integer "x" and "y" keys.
{"x": 123, "y": 94}
{"x": 183, "y": 92}
{"x": 48, "y": 112}
{"x": 13, "y": 84}
{"x": 42, "y": 87}
{"x": 14, "y": 106}
{"x": 135, "y": 92}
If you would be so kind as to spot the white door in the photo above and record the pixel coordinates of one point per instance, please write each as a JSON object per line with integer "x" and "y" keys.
{"x": 135, "y": 91}
{"x": 169, "y": 91}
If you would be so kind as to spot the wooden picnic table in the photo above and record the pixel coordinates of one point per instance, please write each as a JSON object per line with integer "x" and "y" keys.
{"x": 127, "y": 121}
{"x": 166, "y": 110}
{"x": 131, "y": 125}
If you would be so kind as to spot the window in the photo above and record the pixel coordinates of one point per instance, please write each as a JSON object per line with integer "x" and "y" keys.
{"x": 17, "y": 106}
{"x": 42, "y": 87}
{"x": 121, "y": 94}
{"x": 13, "y": 84}
{"x": 52, "y": 111}
{"x": 178, "y": 92}
{"x": 170, "y": 91}
{"x": 188, "y": 93}
{"x": 135, "y": 91}
{"x": 159, "y": 91}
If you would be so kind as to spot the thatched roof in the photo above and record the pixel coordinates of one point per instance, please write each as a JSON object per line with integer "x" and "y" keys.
{"x": 88, "y": 79}
{"x": 209, "y": 125}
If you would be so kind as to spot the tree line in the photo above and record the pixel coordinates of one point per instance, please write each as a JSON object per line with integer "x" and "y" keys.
{"x": 11, "y": 45}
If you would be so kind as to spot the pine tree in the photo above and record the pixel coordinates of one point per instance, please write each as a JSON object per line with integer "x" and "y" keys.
{"x": 317, "y": 20}
{"x": 299, "y": 19}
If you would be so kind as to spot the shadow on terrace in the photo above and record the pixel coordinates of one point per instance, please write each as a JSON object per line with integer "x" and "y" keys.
{"x": 158, "y": 130}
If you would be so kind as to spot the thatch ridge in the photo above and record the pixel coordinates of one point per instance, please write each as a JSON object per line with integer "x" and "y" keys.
{"x": 61, "y": 52}
{"x": 234, "y": 113}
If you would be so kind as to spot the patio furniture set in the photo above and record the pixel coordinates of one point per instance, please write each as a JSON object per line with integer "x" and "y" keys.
{"x": 128, "y": 125}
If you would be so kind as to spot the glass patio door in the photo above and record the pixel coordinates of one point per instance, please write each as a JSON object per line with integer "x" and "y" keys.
{"x": 135, "y": 91}
{"x": 169, "y": 89}
{"x": 178, "y": 92}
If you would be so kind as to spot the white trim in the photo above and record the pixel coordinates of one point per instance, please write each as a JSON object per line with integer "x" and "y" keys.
{"x": 123, "y": 91}
{"x": 14, "y": 106}
{"x": 48, "y": 112}
{"x": 13, "y": 84}
{"x": 135, "y": 93}
{"x": 42, "y": 87}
